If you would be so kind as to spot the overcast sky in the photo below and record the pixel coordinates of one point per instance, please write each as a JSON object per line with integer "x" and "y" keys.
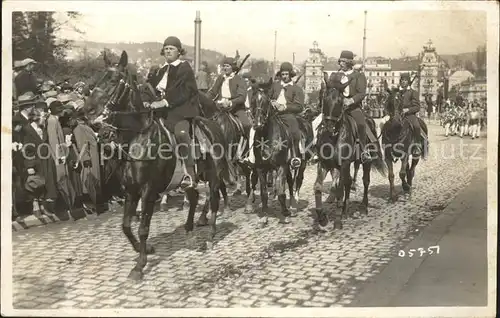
{"x": 250, "y": 26}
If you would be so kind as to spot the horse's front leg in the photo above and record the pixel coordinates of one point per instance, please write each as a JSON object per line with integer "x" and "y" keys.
{"x": 366, "y": 184}
{"x": 299, "y": 179}
{"x": 129, "y": 212}
{"x": 148, "y": 200}
{"x": 402, "y": 173}
{"x": 193, "y": 196}
{"x": 254, "y": 177}
{"x": 332, "y": 197}
{"x": 355, "y": 178}
{"x": 345, "y": 175}
{"x": 318, "y": 195}
{"x": 223, "y": 191}
{"x": 390, "y": 174}
{"x": 411, "y": 173}
{"x": 203, "y": 220}
{"x": 280, "y": 186}
{"x": 264, "y": 196}
{"x": 293, "y": 203}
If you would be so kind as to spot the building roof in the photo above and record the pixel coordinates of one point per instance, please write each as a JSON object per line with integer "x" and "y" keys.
{"x": 405, "y": 65}
{"x": 462, "y": 74}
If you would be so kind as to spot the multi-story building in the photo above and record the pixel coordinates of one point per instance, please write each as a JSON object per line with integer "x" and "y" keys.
{"x": 459, "y": 77}
{"x": 429, "y": 69}
{"x": 314, "y": 69}
{"x": 474, "y": 89}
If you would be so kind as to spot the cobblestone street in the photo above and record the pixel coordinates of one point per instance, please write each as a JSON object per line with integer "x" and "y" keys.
{"x": 84, "y": 264}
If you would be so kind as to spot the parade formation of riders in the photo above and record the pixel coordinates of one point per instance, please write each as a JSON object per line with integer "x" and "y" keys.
{"x": 66, "y": 175}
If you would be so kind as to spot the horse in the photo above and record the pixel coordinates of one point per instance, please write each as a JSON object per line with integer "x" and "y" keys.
{"x": 338, "y": 132}
{"x": 397, "y": 141}
{"x": 146, "y": 174}
{"x": 271, "y": 148}
{"x": 235, "y": 136}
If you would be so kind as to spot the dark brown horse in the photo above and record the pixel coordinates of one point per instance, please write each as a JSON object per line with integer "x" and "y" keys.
{"x": 149, "y": 164}
{"x": 271, "y": 147}
{"x": 337, "y": 149}
{"x": 398, "y": 144}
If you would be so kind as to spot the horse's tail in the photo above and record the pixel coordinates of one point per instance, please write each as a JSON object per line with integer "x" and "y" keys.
{"x": 378, "y": 162}
{"x": 425, "y": 143}
{"x": 225, "y": 169}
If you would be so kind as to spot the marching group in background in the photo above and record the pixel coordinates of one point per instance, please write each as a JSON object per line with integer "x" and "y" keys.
{"x": 57, "y": 169}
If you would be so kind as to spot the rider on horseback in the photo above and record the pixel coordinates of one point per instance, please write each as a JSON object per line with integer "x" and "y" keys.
{"x": 411, "y": 106}
{"x": 230, "y": 91}
{"x": 175, "y": 85}
{"x": 354, "y": 94}
{"x": 288, "y": 99}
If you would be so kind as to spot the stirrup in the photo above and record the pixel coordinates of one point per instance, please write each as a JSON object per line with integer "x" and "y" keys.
{"x": 365, "y": 157}
{"x": 295, "y": 163}
{"x": 188, "y": 182}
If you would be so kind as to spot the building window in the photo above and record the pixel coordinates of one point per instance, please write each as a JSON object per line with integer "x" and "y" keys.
{"x": 392, "y": 73}
{"x": 370, "y": 74}
{"x": 314, "y": 73}
{"x": 392, "y": 81}
{"x": 314, "y": 61}
{"x": 378, "y": 73}
{"x": 385, "y": 73}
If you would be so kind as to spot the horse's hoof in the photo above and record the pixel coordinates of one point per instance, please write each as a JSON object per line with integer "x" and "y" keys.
{"x": 293, "y": 212}
{"x": 163, "y": 207}
{"x": 150, "y": 249}
{"x": 322, "y": 220}
{"x": 285, "y": 220}
{"x": 337, "y": 225}
{"x": 135, "y": 275}
{"x": 263, "y": 221}
{"x": 237, "y": 192}
{"x": 202, "y": 222}
{"x": 363, "y": 209}
{"x": 248, "y": 209}
{"x": 209, "y": 245}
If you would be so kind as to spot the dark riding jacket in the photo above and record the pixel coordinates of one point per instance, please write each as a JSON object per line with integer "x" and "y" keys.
{"x": 357, "y": 88}
{"x": 410, "y": 100}
{"x": 181, "y": 92}
{"x": 294, "y": 96}
{"x": 238, "y": 90}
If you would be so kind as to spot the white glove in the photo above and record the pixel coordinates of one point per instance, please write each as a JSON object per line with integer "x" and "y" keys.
{"x": 159, "y": 104}
{"x": 16, "y": 146}
{"x": 68, "y": 140}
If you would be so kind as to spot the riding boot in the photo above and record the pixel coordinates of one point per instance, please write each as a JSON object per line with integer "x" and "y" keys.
{"x": 365, "y": 154}
{"x": 186, "y": 154}
{"x": 251, "y": 156}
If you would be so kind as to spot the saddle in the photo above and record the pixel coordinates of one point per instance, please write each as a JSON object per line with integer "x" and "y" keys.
{"x": 354, "y": 128}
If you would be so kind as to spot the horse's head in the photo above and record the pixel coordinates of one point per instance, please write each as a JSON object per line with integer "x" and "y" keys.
{"x": 111, "y": 91}
{"x": 260, "y": 103}
{"x": 331, "y": 97}
{"x": 394, "y": 104}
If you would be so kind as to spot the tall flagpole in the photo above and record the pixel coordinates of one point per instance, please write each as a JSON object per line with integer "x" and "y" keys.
{"x": 364, "y": 44}
{"x": 274, "y": 60}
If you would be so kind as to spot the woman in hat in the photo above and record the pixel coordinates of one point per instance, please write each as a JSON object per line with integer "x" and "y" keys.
{"x": 25, "y": 80}
{"x": 59, "y": 154}
{"x": 175, "y": 87}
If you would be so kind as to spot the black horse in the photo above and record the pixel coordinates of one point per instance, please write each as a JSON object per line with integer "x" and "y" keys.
{"x": 271, "y": 147}
{"x": 236, "y": 136}
{"x": 398, "y": 143}
{"x": 148, "y": 162}
{"x": 337, "y": 148}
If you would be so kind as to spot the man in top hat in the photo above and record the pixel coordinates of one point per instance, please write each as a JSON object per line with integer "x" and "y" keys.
{"x": 354, "y": 93}
{"x": 411, "y": 106}
{"x": 175, "y": 86}
{"x": 25, "y": 80}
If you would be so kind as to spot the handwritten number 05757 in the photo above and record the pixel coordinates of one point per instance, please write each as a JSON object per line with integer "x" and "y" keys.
{"x": 421, "y": 251}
